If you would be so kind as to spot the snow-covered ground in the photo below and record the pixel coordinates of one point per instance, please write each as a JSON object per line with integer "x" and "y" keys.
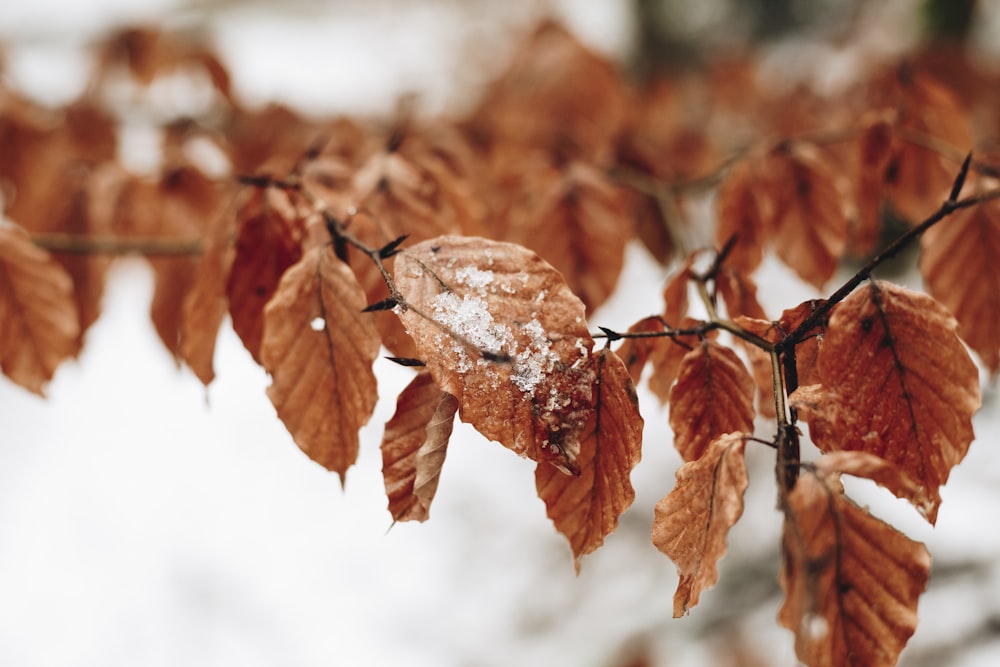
{"x": 145, "y": 520}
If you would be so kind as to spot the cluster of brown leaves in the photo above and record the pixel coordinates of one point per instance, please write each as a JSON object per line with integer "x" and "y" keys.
{"x": 515, "y": 221}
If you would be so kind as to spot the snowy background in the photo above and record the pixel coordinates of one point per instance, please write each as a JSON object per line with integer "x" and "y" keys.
{"x": 145, "y": 520}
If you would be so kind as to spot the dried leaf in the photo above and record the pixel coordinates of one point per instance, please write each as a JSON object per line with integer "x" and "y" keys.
{"x": 635, "y": 352}
{"x": 38, "y": 319}
{"x": 918, "y": 177}
{"x": 666, "y": 355}
{"x": 499, "y": 329}
{"x": 557, "y": 95}
{"x": 868, "y": 466}
{"x": 414, "y": 447}
{"x": 205, "y": 305}
{"x": 713, "y": 396}
{"x": 851, "y": 581}
{"x": 576, "y": 219}
{"x": 875, "y": 144}
{"x": 185, "y": 203}
{"x": 805, "y": 213}
{"x": 895, "y": 382}
{"x": 958, "y": 259}
{"x": 675, "y": 295}
{"x": 585, "y": 507}
{"x": 319, "y": 348}
{"x": 740, "y": 217}
{"x": 419, "y": 186}
{"x": 269, "y": 242}
{"x": 47, "y": 152}
{"x": 692, "y": 521}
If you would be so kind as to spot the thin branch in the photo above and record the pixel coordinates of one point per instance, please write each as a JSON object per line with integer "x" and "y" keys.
{"x": 947, "y": 208}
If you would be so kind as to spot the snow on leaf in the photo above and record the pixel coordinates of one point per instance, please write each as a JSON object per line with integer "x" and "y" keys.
{"x": 500, "y": 330}
{"x": 692, "y": 521}
{"x": 38, "y": 318}
{"x": 268, "y": 244}
{"x": 585, "y": 507}
{"x": 851, "y": 581}
{"x": 897, "y": 382}
{"x": 414, "y": 447}
{"x": 322, "y": 383}
{"x": 958, "y": 259}
{"x": 713, "y": 395}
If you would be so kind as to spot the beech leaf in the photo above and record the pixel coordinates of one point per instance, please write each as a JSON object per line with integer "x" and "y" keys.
{"x": 958, "y": 259}
{"x": 635, "y": 352}
{"x": 740, "y": 217}
{"x": 585, "y": 507}
{"x": 269, "y": 241}
{"x": 500, "y": 330}
{"x": 692, "y": 521}
{"x": 578, "y": 220}
{"x": 38, "y": 316}
{"x": 713, "y": 395}
{"x": 851, "y": 581}
{"x": 895, "y": 381}
{"x": 319, "y": 348}
{"x": 414, "y": 447}
{"x": 806, "y": 212}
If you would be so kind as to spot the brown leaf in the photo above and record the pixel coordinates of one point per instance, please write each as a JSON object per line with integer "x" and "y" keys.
{"x": 851, "y": 581}
{"x": 692, "y": 521}
{"x": 868, "y": 466}
{"x": 46, "y": 152}
{"x": 499, "y": 329}
{"x": 895, "y": 382}
{"x": 666, "y": 354}
{"x": 958, "y": 259}
{"x": 319, "y": 348}
{"x": 186, "y": 203}
{"x": 576, "y": 219}
{"x": 38, "y": 319}
{"x": 269, "y": 242}
{"x": 177, "y": 206}
{"x": 205, "y": 305}
{"x": 740, "y": 217}
{"x": 585, "y": 507}
{"x": 916, "y": 175}
{"x": 739, "y": 293}
{"x": 557, "y": 95}
{"x": 635, "y": 352}
{"x": 713, "y": 396}
{"x": 805, "y": 212}
{"x": 418, "y": 185}
{"x": 414, "y": 447}
{"x": 875, "y": 145}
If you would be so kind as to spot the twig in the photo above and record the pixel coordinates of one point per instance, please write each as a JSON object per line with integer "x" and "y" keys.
{"x": 947, "y": 208}
{"x": 82, "y": 244}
